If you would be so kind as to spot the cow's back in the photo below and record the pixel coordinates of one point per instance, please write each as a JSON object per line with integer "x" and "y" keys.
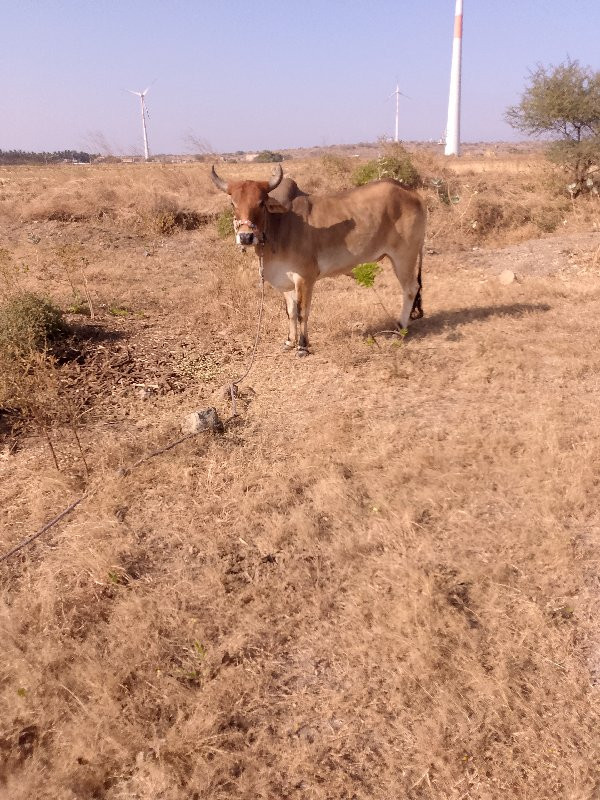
{"x": 377, "y": 200}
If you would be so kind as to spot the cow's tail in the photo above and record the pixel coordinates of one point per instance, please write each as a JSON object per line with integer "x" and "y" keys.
{"x": 417, "y": 308}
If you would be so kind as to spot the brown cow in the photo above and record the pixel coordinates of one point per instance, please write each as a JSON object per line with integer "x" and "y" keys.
{"x": 302, "y": 238}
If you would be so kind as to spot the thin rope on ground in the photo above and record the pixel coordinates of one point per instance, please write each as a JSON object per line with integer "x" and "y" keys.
{"x": 120, "y": 473}
{"x": 46, "y": 527}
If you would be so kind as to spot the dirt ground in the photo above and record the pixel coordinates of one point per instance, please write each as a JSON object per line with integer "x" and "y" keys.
{"x": 381, "y": 581}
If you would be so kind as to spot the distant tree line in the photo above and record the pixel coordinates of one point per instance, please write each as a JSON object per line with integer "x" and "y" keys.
{"x": 57, "y": 157}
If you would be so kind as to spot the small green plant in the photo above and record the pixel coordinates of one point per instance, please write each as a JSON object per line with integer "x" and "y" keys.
{"x": 225, "y": 223}
{"x": 365, "y": 274}
{"x": 79, "y": 306}
{"x": 443, "y": 190}
{"x": 199, "y": 650}
{"x": 402, "y": 333}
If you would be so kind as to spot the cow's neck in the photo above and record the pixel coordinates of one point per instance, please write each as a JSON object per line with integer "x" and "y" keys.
{"x": 275, "y": 235}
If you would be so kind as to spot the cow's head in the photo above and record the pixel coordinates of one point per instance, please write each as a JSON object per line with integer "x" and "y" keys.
{"x": 250, "y": 200}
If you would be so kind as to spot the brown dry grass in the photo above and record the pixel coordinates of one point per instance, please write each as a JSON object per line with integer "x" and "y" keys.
{"x": 381, "y": 583}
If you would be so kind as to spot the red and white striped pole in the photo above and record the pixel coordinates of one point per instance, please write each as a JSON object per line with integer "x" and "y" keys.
{"x": 453, "y": 127}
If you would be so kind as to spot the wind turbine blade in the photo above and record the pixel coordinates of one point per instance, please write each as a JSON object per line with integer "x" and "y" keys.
{"x": 150, "y": 86}
{"x": 132, "y": 92}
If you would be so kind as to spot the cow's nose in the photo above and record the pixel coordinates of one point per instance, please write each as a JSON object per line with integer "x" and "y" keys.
{"x": 246, "y": 238}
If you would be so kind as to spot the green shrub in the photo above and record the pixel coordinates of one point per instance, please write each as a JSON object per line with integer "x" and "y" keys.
{"x": 366, "y": 173}
{"x": 395, "y": 163}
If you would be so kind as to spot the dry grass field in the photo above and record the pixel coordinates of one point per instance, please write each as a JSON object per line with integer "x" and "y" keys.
{"x": 380, "y": 582}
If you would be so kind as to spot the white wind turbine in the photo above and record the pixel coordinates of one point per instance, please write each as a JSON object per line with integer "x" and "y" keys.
{"x": 398, "y": 94}
{"x": 142, "y": 95}
{"x": 453, "y": 127}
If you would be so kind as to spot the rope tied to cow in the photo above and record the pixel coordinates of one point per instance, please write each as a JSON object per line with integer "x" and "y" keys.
{"x": 233, "y": 386}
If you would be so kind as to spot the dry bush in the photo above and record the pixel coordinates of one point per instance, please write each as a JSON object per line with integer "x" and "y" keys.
{"x": 338, "y": 171}
{"x": 490, "y": 206}
{"x": 28, "y": 322}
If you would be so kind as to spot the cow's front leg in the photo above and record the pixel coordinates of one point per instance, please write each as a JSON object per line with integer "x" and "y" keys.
{"x": 303, "y": 297}
{"x": 291, "y": 308}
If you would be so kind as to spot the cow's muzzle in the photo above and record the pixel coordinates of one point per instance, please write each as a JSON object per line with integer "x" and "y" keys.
{"x": 245, "y": 238}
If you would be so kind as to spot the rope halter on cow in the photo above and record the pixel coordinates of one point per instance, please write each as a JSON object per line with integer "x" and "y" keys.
{"x": 237, "y": 224}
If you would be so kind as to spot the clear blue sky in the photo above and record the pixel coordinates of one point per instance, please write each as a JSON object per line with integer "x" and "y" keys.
{"x": 249, "y": 75}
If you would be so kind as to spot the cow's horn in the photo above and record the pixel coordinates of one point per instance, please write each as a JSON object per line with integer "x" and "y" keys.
{"x": 218, "y": 182}
{"x": 276, "y": 178}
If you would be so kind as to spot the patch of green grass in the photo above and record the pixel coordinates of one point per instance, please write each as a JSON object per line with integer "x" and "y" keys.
{"x": 225, "y": 223}
{"x": 119, "y": 311}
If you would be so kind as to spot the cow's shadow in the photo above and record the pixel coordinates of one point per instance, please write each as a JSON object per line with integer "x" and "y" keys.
{"x": 447, "y": 320}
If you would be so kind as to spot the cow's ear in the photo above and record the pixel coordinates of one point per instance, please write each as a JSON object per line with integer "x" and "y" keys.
{"x": 275, "y": 207}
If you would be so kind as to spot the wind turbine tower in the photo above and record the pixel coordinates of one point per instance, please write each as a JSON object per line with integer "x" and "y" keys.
{"x": 142, "y": 96}
{"x": 397, "y": 93}
{"x": 453, "y": 127}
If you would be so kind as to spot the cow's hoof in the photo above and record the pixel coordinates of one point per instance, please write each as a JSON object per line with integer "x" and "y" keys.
{"x": 287, "y": 346}
{"x": 302, "y": 352}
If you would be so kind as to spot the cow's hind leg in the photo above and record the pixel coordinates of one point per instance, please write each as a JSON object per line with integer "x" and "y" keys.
{"x": 303, "y": 300}
{"x": 408, "y": 271}
{"x": 291, "y": 308}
